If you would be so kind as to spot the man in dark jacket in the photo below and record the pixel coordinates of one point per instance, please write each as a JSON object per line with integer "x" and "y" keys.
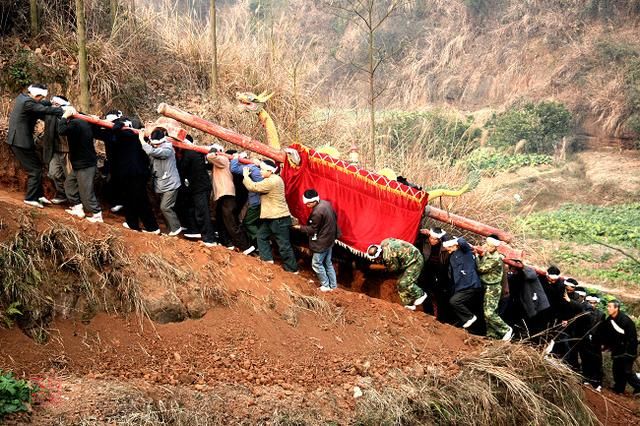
{"x": 28, "y": 108}
{"x": 130, "y": 164}
{"x": 82, "y": 155}
{"x": 529, "y": 301}
{"x": 621, "y": 338}
{"x": 434, "y": 278}
{"x": 590, "y": 347}
{"x": 196, "y": 190}
{"x": 55, "y": 151}
{"x": 467, "y": 289}
{"x": 322, "y": 229}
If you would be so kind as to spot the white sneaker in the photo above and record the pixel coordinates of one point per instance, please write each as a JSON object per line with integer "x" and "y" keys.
{"x": 126, "y": 225}
{"x": 231, "y": 247}
{"x": 156, "y": 232}
{"x": 37, "y": 204}
{"x": 470, "y": 322}
{"x": 210, "y": 244}
{"x": 76, "y": 210}
{"x": 270, "y": 261}
{"x": 410, "y": 307}
{"x": 599, "y": 389}
{"x": 508, "y": 335}
{"x": 96, "y": 218}
{"x": 325, "y": 289}
{"x": 193, "y": 236}
{"x": 420, "y": 300}
{"x": 44, "y": 201}
{"x": 176, "y": 232}
{"x": 116, "y": 209}
{"x": 296, "y": 273}
{"x": 249, "y": 250}
{"x": 58, "y": 201}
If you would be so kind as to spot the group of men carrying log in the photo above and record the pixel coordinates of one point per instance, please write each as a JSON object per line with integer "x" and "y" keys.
{"x": 466, "y": 286}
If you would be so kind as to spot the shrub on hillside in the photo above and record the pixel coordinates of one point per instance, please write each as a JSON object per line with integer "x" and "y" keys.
{"x": 15, "y": 395}
{"x": 542, "y": 125}
{"x": 438, "y": 133}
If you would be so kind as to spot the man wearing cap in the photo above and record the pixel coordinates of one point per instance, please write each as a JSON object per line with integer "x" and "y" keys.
{"x": 251, "y": 220}
{"x": 590, "y": 347}
{"x": 467, "y": 288}
{"x": 275, "y": 216}
{"x": 434, "y": 279}
{"x": 27, "y": 109}
{"x": 166, "y": 179}
{"x": 224, "y": 194}
{"x": 322, "y": 229}
{"x": 55, "y": 151}
{"x": 398, "y": 255}
{"x": 621, "y": 338}
{"x": 491, "y": 270}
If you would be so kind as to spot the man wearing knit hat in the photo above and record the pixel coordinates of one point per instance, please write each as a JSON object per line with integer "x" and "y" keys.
{"x": 275, "y": 216}
{"x": 27, "y": 109}
{"x": 398, "y": 255}
{"x": 491, "y": 270}
{"x": 322, "y": 229}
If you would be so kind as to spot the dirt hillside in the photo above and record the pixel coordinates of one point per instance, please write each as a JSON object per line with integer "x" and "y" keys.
{"x": 265, "y": 345}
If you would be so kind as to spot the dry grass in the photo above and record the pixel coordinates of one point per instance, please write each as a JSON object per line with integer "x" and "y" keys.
{"x": 504, "y": 385}
{"x": 316, "y": 305}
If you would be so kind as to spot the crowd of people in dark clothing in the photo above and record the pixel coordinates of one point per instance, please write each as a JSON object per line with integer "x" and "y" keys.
{"x": 542, "y": 308}
{"x": 471, "y": 287}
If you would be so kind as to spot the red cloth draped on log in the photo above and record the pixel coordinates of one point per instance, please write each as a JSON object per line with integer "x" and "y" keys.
{"x": 369, "y": 206}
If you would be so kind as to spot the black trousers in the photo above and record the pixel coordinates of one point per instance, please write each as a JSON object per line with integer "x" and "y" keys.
{"x": 29, "y": 160}
{"x": 137, "y": 206}
{"x": 225, "y": 214}
{"x": 463, "y": 303}
{"x": 591, "y": 357}
{"x": 202, "y": 215}
{"x": 623, "y": 374}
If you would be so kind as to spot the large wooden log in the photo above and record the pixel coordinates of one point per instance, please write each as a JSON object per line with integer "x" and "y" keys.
{"x": 245, "y": 142}
{"x": 468, "y": 224}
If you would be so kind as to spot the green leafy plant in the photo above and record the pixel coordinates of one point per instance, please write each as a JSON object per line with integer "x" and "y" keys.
{"x": 7, "y": 316}
{"x": 492, "y": 162}
{"x": 542, "y": 125}
{"x": 618, "y": 225}
{"x": 15, "y": 394}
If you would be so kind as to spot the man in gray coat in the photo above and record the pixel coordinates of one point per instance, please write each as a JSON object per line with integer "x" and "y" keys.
{"x": 166, "y": 179}
{"x": 28, "y": 107}
{"x": 55, "y": 151}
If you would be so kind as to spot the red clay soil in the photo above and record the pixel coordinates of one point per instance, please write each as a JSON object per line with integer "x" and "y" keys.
{"x": 259, "y": 347}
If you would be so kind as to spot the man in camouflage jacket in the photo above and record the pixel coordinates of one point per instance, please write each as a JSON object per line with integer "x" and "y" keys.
{"x": 490, "y": 269}
{"x": 398, "y": 255}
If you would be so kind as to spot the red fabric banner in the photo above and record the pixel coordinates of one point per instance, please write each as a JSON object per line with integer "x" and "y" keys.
{"x": 369, "y": 206}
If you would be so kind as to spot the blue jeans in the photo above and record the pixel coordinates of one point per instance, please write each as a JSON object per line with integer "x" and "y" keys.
{"x": 322, "y": 266}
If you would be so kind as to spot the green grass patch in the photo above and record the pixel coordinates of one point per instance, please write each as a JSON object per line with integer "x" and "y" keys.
{"x": 15, "y": 394}
{"x": 491, "y": 162}
{"x": 616, "y": 225}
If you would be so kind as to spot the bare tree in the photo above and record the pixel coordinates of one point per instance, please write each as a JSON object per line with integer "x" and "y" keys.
{"x": 33, "y": 15}
{"x": 82, "y": 56}
{"x": 369, "y": 16}
{"x": 213, "y": 85}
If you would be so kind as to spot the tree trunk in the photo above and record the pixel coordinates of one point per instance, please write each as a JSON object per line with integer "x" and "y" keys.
{"x": 372, "y": 99}
{"x": 33, "y": 14}
{"x": 213, "y": 84}
{"x": 82, "y": 57}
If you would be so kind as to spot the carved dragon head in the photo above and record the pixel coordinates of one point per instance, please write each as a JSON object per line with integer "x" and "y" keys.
{"x": 250, "y": 102}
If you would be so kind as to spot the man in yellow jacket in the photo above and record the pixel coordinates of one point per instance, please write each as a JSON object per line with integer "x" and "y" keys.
{"x": 275, "y": 217}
